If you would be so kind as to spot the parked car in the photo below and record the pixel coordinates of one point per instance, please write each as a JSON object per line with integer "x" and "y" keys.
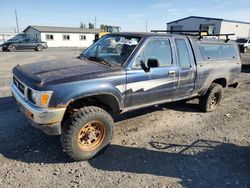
{"x": 115, "y": 44}
{"x": 24, "y": 44}
{"x": 244, "y": 44}
{"x": 77, "y": 98}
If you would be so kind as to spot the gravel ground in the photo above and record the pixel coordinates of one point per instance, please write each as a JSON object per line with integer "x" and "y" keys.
{"x": 172, "y": 145}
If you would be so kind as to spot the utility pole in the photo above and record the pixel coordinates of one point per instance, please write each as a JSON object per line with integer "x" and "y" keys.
{"x": 146, "y": 25}
{"x": 95, "y": 22}
{"x": 249, "y": 32}
{"x": 17, "y": 27}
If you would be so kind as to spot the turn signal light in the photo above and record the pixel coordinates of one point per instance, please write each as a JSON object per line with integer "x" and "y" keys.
{"x": 44, "y": 99}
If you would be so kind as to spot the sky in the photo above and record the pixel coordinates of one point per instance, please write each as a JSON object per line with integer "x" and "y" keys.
{"x": 131, "y": 15}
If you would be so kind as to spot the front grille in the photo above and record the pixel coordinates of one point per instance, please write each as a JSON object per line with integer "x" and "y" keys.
{"x": 19, "y": 86}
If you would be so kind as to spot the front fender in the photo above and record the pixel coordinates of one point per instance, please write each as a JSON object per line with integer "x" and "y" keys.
{"x": 66, "y": 93}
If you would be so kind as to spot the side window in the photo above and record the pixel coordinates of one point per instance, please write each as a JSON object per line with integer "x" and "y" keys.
{"x": 183, "y": 55}
{"x": 218, "y": 51}
{"x": 49, "y": 37}
{"x": 83, "y": 37}
{"x": 26, "y": 40}
{"x": 33, "y": 41}
{"x": 159, "y": 49}
{"x": 66, "y": 37}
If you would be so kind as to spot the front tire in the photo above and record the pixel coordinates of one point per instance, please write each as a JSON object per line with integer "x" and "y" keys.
{"x": 211, "y": 100}
{"x": 86, "y": 132}
{"x": 12, "y": 48}
{"x": 118, "y": 48}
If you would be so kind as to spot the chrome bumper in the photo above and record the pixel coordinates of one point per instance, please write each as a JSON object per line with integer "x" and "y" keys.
{"x": 39, "y": 116}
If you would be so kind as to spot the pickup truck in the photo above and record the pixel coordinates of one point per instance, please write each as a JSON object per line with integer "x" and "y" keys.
{"x": 77, "y": 98}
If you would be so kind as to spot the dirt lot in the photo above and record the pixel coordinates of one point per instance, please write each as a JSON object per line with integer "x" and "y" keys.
{"x": 173, "y": 145}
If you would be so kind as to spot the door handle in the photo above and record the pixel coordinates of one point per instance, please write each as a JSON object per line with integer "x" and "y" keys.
{"x": 171, "y": 72}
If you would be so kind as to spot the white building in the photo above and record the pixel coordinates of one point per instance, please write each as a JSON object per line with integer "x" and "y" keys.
{"x": 62, "y": 36}
{"x": 212, "y": 25}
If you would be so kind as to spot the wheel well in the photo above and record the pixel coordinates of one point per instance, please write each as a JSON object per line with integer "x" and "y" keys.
{"x": 221, "y": 81}
{"x": 105, "y": 101}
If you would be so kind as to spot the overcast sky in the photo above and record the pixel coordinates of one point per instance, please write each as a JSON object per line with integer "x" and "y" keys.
{"x": 131, "y": 15}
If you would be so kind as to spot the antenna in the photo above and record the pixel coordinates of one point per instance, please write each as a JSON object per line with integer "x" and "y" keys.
{"x": 146, "y": 25}
{"x": 17, "y": 27}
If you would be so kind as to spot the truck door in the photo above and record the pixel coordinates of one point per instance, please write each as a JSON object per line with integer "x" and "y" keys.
{"x": 187, "y": 68}
{"x": 160, "y": 83}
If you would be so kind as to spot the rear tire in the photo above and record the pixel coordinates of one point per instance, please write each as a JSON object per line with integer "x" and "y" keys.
{"x": 211, "y": 100}
{"x": 86, "y": 132}
{"x": 245, "y": 50}
{"x": 39, "y": 48}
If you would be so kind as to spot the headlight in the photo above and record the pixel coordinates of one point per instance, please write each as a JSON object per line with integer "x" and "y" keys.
{"x": 41, "y": 98}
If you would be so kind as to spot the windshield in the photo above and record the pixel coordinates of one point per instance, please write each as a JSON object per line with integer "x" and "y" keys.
{"x": 14, "y": 40}
{"x": 112, "y": 49}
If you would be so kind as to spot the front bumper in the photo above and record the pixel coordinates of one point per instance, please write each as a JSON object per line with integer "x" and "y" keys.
{"x": 49, "y": 120}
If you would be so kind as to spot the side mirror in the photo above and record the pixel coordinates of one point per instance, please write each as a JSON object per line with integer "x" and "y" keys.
{"x": 143, "y": 66}
{"x": 152, "y": 63}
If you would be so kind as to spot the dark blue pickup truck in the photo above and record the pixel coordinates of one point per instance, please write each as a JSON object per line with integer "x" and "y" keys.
{"x": 77, "y": 97}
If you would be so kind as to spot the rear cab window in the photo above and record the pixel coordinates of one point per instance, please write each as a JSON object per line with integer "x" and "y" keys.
{"x": 211, "y": 51}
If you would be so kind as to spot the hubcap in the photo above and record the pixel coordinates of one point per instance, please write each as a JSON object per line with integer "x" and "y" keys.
{"x": 91, "y": 136}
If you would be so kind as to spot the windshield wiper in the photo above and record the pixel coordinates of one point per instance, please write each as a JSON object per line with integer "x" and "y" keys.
{"x": 99, "y": 59}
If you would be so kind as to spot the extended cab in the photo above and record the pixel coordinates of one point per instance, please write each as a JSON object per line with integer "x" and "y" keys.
{"x": 77, "y": 97}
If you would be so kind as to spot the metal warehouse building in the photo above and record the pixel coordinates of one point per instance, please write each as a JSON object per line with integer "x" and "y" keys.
{"x": 212, "y": 25}
{"x": 62, "y": 36}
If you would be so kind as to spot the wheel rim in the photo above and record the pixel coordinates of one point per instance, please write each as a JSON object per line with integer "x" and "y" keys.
{"x": 119, "y": 49}
{"x": 91, "y": 136}
{"x": 214, "y": 101}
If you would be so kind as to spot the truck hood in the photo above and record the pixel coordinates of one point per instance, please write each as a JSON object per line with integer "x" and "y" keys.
{"x": 61, "y": 71}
